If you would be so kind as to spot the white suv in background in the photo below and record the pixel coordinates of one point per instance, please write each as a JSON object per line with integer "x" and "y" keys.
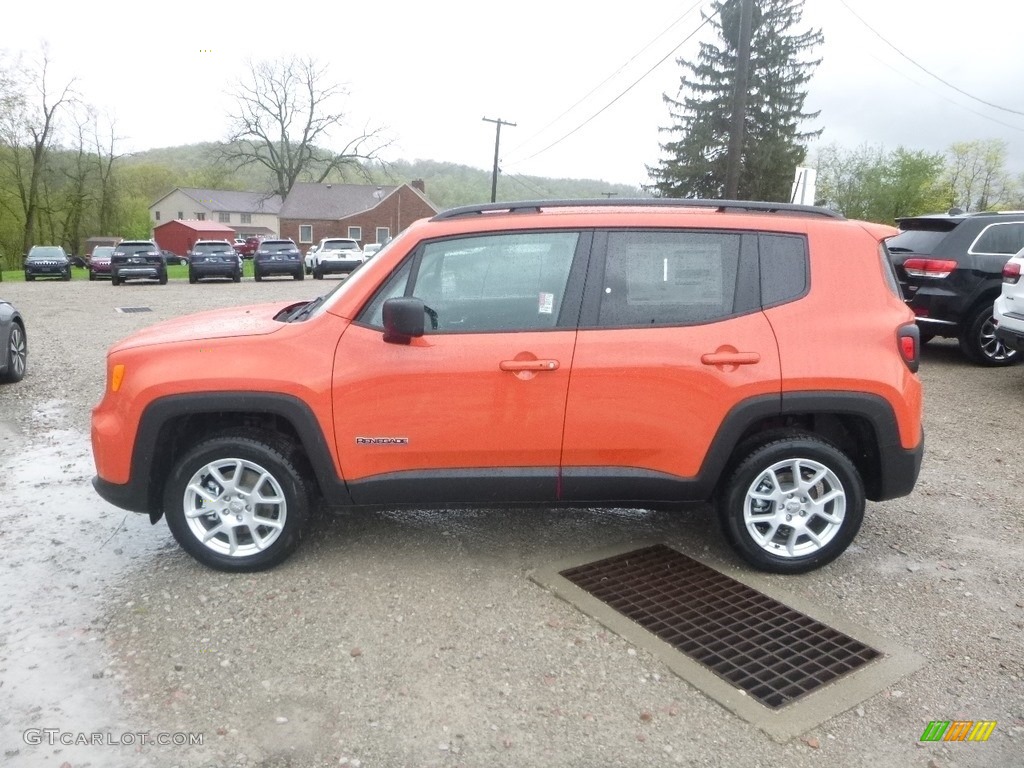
{"x": 336, "y": 255}
{"x": 1008, "y": 310}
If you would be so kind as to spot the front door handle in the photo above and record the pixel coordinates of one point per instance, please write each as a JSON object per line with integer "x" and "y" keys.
{"x": 730, "y": 358}
{"x": 528, "y": 365}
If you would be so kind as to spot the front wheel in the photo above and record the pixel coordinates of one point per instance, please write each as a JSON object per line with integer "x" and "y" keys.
{"x": 792, "y": 505}
{"x": 114, "y": 279}
{"x": 979, "y": 342}
{"x": 237, "y": 502}
{"x": 17, "y": 355}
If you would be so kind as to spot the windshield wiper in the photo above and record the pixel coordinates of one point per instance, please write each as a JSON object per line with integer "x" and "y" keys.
{"x": 306, "y": 309}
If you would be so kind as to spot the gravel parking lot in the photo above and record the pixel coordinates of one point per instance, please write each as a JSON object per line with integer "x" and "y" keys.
{"x": 412, "y": 638}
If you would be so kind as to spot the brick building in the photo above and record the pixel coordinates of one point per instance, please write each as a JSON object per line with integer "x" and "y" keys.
{"x": 362, "y": 212}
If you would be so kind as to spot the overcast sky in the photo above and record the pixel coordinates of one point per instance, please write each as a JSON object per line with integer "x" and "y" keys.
{"x": 582, "y": 83}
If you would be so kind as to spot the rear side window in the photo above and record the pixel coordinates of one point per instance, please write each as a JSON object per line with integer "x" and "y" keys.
{"x": 669, "y": 278}
{"x": 1000, "y": 239}
{"x": 783, "y": 268}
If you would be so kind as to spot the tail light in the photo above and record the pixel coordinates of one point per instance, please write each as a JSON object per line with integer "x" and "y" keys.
{"x": 929, "y": 267}
{"x": 1011, "y": 272}
{"x": 908, "y": 338}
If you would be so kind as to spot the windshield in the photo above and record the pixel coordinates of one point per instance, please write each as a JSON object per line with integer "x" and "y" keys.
{"x": 102, "y": 252}
{"x": 212, "y": 248}
{"x": 46, "y": 252}
{"x": 277, "y": 247}
{"x": 341, "y": 245}
{"x": 131, "y": 248}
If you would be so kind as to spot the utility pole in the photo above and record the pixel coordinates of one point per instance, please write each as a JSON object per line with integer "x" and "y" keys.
{"x": 497, "y": 140}
{"x": 739, "y": 101}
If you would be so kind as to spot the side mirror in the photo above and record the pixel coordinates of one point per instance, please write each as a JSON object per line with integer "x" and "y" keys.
{"x": 403, "y": 319}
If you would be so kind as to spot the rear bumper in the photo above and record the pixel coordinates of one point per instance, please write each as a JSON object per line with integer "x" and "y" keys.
{"x": 1011, "y": 337}
{"x": 900, "y": 468}
{"x": 338, "y": 267}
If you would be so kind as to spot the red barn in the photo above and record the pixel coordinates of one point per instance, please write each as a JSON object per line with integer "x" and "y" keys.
{"x": 179, "y": 235}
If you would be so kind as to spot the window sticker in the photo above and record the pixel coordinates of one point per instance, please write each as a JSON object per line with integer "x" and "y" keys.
{"x": 546, "y": 304}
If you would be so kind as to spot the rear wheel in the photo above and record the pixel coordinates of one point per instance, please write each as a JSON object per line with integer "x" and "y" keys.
{"x": 979, "y": 342}
{"x": 792, "y": 505}
{"x": 237, "y": 502}
{"x": 256, "y": 274}
{"x": 192, "y": 277}
{"x": 300, "y": 275}
{"x": 163, "y": 278}
{"x": 237, "y": 277}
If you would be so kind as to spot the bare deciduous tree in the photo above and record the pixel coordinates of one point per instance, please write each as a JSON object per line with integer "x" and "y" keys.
{"x": 289, "y": 119}
{"x": 28, "y": 128}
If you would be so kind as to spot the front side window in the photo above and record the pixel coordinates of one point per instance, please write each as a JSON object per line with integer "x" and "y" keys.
{"x": 505, "y": 282}
{"x": 1000, "y": 239}
{"x": 669, "y": 278}
{"x": 305, "y": 233}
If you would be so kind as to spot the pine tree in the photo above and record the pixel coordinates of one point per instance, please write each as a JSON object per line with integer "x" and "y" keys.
{"x": 773, "y": 144}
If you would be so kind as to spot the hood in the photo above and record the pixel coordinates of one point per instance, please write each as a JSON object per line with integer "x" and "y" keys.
{"x": 255, "y": 320}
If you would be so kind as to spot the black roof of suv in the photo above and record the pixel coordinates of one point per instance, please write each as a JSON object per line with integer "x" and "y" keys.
{"x": 950, "y": 269}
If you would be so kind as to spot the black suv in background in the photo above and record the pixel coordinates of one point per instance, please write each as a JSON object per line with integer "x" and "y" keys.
{"x": 278, "y": 257}
{"x": 47, "y": 261}
{"x": 950, "y": 269}
{"x": 214, "y": 258}
{"x": 134, "y": 259}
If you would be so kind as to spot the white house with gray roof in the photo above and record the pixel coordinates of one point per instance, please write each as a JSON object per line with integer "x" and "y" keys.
{"x": 250, "y": 214}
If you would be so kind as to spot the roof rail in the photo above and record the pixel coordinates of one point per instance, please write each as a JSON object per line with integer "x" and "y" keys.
{"x": 535, "y": 206}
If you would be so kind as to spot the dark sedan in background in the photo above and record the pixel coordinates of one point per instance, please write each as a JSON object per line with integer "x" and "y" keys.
{"x": 47, "y": 261}
{"x": 13, "y": 344}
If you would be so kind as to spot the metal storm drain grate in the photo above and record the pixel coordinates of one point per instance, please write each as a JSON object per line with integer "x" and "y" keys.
{"x": 129, "y": 310}
{"x": 752, "y": 641}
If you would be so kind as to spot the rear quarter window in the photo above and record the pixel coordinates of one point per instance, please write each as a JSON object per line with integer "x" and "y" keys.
{"x": 1003, "y": 239}
{"x": 784, "y": 272}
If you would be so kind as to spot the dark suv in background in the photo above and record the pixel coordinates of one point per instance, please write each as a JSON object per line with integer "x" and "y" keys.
{"x": 214, "y": 258}
{"x": 950, "y": 268}
{"x": 47, "y": 261}
{"x": 134, "y": 259}
{"x": 278, "y": 257}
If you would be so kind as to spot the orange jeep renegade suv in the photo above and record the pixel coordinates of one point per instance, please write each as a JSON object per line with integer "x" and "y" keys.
{"x": 624, "y": 353}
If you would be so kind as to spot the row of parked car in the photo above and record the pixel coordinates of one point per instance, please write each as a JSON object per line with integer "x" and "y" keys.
{"x": 145, "y": 260}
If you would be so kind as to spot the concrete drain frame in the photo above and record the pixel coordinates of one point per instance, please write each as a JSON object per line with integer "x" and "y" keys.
{"x": 876, "y": 671}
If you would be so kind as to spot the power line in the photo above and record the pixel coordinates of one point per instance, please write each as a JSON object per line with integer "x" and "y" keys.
{"x": 609, "y": 78}
{"x": 631, "y": 87}
{"x": 925, "y": 70}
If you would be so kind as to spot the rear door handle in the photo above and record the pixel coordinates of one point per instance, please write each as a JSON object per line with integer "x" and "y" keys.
{"x": 730, "y": 358}
{"x": 528, "y": 365}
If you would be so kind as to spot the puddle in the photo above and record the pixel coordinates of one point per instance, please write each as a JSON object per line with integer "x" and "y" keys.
{"x": 63, "y": 550}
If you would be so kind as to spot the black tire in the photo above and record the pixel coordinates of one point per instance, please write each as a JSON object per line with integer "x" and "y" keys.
{"x": 29, "y": 278}
{"x": 300, "y": 275}
{"x": 846, "y": 511}
{"x": 66, "y": 276}
{"x": 979, "y": 343}
{"x": 114, "y": 279}
{"x": 257, "y": 275}
{"x": 318, "y": 273}
{"x": 163, "y": 278}
{"x": 192, "y": 277}
{"x": 92, "y": 275}
{"x": 269, "y": 464}
{"x": 237, "y": 277}
{"x": 16, "y": 354}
